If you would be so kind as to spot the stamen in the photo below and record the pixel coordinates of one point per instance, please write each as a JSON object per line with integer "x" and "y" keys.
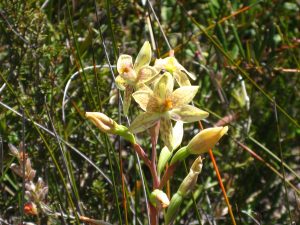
{"x": 168, "y": 104}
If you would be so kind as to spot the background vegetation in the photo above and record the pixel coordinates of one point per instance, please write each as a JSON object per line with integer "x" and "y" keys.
{"x": 245, "y": 55}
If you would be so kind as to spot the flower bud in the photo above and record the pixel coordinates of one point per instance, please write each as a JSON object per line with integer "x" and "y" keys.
{"x": 159, "y": 199}
{"x": 108, "y": 125}
{"x": 103, "y": 122}
{"x": 190, "y": 180}
{"x": 184, "y": 189}
{"x": 173, "y": 208}
{"x": 206, "y": 139}
{"x": 164, "y": 157}
{"x": 30, "y": 208}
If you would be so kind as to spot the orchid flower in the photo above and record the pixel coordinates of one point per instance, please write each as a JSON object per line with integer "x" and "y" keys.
{"x": 171, "y": 65}
{"x": 132, "y": 76}
{"x": 163, "y": 104}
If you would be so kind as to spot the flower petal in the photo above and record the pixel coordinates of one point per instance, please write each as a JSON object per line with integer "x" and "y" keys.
{"x": 177, "y": 135}
{"x": 144, "y": 56}
{"x": 154, "y": 104}
{"x": 143, "y": 122}
{"x": 146, "y": 74}
{"x": 142, "y": 98}
{"x": 192, "y": 76}
{"x": 183, "y": 95}
{"x": 159, "y": 64}
{"x": 124, "y": 62}
{"x": 143, "y": 87}
{"x": 166, "y": 132}
{"x": 188, "y": 114}
{"x": 180, "y": 68}
{"x": 127, "y": 98}
{"x": 164, "y": 86}
{"x": 120, "y": 83}
{"x": 181, "y": 78}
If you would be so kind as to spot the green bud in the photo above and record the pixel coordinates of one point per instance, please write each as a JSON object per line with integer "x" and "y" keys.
{"x": 184, "y": 189}
{"x": 173, "y": 208}
{"x": 164, "y": 157}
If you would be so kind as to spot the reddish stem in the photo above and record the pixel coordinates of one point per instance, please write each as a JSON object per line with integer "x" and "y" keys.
{"x": 167, "y": 175}
{"x": 140, "y": 151}
{"x": 154, "y": 132}
{"x": 153, "y": 215}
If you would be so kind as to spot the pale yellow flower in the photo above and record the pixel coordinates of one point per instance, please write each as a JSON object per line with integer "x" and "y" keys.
{"x": 131, "y": 76}
{"x": 163, "y": 104}
{"x": 171, "y": 65}
{"x": 206, "y": 139}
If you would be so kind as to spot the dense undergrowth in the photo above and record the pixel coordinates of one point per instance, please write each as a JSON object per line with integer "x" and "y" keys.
{"x": 245, "y": 55}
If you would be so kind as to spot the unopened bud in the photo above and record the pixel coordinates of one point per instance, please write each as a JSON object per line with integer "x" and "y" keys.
{"x": 206, "y": 139}
{"x": 159, "y": 199}
{"x": 201, "y": 143}
{"x": 108, "y": 125}
{"x": 184, "y": 189}
{"x": 103, "y": 122}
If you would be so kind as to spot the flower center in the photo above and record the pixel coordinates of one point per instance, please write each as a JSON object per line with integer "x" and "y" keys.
{"x": 125, "y": 69}
{"x": 168, "y": 105}
{"x": 170, "y": 65}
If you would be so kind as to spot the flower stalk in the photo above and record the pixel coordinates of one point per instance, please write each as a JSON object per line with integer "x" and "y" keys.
{"x": 161, "y": 105}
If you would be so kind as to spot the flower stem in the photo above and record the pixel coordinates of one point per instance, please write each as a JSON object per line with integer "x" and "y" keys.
{"x": 153, "y": 215}
{"x": 142, "y": 154}
{"x": 154, "y": 131}
{"x": 168, "y": 173}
